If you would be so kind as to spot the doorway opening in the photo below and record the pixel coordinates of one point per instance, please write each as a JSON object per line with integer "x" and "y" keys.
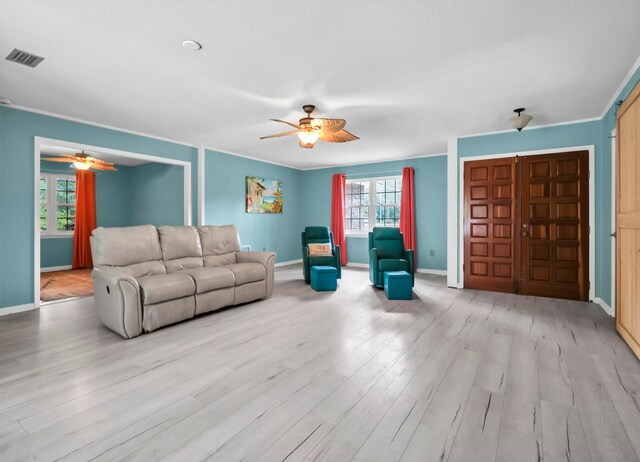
{"x": 142, "y": 189}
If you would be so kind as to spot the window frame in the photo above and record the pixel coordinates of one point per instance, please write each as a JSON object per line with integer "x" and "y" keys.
{"x": 52, "y": 204}
{"x": 372, "y": 203}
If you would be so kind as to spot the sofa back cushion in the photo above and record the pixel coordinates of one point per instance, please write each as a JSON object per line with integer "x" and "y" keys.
{"x": 135, "y": 249}
{"x": 219, "y": 244}
{"x": 181, "y": 247}
{"x": 388, "y": 241}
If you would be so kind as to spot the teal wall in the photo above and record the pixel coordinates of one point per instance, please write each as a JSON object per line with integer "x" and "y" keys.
{"x": 431, "y": 205}
{"x": 146, "y": 194}
{"x": 595, "y": 133}
{"x": 157, "y": 195}
{"x": 113, "y": 191}
{"x": 17, "y": 131}
{"x": 225, "y": 190}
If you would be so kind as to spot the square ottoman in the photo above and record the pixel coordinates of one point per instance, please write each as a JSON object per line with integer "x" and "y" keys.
{"x": 324, "y": 278}
{"x": 397, "y": 285}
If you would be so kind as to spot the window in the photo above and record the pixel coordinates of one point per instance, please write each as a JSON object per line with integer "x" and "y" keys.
{"x": 57, "y": 204}
{"x": 378, "y": 198}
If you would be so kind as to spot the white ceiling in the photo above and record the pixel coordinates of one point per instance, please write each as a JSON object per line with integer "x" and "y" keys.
{"x": 57, "y": 151}
{"x": 405, "y": 74}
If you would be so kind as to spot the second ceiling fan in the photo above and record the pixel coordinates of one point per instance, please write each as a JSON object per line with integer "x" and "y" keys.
{"x": 311, "y": 129}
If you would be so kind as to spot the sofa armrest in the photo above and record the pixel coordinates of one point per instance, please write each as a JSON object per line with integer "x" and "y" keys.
{"x": 117, "y": 301}
{"x": 305, "y": 263}
{"x": 336, "y": 253}
{"x": 373, "y": 266}
{"x": 267, "y": 259}
{"x": 409, "y": 255}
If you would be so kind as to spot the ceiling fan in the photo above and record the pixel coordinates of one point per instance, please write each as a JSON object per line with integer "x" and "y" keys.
{"x": 82, "y": 161}
{"x": 311, "y": 129}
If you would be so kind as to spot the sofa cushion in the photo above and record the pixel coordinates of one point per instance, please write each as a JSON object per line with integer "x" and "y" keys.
{"x": 160, "y": 288}
{"x": 247, "y": 272}
{"x": 219, "y": 260}
{"x": 146, "y": 268}
{"x": 181, "y": 247}
{"x": 393, "y": 264}
{"x": 211, "y": 278}
{"x": 219, "y": 240}
{"x": 322, "y": 260}
{"x": 125, "y": 246}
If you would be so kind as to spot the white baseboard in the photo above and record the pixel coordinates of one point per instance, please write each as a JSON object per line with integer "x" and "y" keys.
{"x": 55, "y": 268}
{"x": 605, "y": 306}
{"x": 419, "y": 270}
{"x": 432, "y": 271}
{"x": 17, "y": 309}
{"x": 288, "y": 263}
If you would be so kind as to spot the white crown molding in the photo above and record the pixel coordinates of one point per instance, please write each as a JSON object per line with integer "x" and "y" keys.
{"x": 624, "y": 83}
{"x": 95, "y": 124}
{"x": 17, "y": 309}
{"x": 231, "y": 153}
{"x": 557, "y": 124}
{"x": 375, "y": 162}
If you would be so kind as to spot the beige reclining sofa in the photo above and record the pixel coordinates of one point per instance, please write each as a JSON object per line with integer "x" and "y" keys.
{"x": 146, "y": 277}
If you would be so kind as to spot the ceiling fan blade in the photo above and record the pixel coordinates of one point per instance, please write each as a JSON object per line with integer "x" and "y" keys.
{"x": 329, "y": 125}
{"x": 277, "y": 135}
{"x": 339, "y": 137}
{"x": 306, "y": 145}
{"x": 110, "y": 168}
{"x": 59, "y": 159}
{"x": 288, "y": 123}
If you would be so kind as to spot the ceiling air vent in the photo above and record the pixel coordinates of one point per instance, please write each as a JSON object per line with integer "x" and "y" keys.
{"x": 22, "y": 57}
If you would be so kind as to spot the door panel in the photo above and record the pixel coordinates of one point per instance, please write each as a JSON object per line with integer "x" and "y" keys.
{"x": 628, "y": 221}
{"x": 555, "y": 225}
{"x": 489, "y": 225}
{"x": 526, "y": 225}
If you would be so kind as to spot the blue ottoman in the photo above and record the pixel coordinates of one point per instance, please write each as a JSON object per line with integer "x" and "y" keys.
{"x": 397, "y": 285}
{"x": 324, "y": 278}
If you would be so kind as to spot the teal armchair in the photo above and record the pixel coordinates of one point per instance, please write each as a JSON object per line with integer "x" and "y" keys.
{"x": 319, "y": 235}
{"x": 387, "y": 253}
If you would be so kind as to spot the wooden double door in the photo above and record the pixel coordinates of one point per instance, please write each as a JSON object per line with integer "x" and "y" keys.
{"x": 526, "y": 225}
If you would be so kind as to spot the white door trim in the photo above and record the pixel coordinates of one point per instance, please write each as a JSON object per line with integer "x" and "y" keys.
{"x": 592, "y": 205}
{"x": 37, "y": 146}
{"x": 614, "y": 193}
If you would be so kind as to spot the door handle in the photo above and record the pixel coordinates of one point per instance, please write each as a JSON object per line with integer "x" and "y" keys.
{"x": 525, "y": 230}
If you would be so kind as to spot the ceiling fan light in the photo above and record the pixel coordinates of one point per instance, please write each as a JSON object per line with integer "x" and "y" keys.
{"x": 82, "y": 165}
{"x": 308, "y": 137}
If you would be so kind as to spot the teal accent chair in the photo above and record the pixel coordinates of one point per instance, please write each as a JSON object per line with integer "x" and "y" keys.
{"x": 387, "y": 253}
{"x": 319, "y": 235}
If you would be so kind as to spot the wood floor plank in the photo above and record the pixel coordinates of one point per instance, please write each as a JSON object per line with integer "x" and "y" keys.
{"x": 347, "y": 375}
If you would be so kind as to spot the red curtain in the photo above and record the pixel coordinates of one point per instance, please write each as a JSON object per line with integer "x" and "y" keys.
{"x": 85, "y": 218}
{"x": 408, "y": 212}
{"x": 337, "y": 214}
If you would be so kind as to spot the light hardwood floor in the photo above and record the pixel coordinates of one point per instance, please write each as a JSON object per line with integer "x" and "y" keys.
{"x": 454, "y": 375}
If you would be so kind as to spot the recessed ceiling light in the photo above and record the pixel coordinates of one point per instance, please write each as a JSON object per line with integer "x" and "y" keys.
{"x": 191, "y": 45}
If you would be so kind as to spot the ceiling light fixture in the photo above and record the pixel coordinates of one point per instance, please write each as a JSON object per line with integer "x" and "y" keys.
{"x": 308, "y": 136}
{"x": 82, "y": 165}
{"x": 5, "y": 101}
{"x": 192, "y": 45}
{"x": 521, "y": 120}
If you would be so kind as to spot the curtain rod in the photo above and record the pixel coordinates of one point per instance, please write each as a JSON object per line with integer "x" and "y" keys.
{"x": 390, "y": 172}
